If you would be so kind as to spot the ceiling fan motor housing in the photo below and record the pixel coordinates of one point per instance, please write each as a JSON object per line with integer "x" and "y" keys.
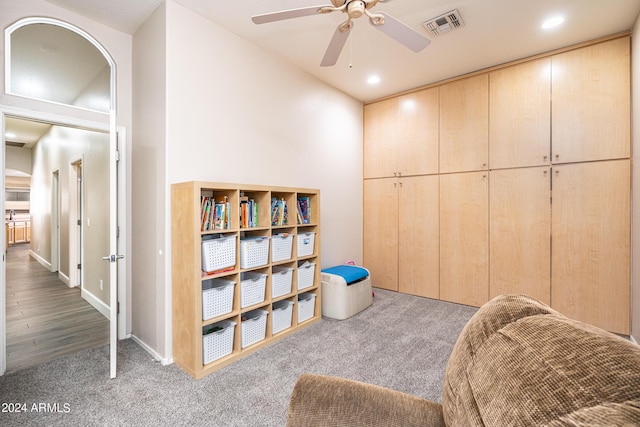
{"x": 355, "y": 9}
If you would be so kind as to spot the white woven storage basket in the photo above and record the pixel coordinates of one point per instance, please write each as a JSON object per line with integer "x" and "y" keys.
{"x": 305, "y": 243}
{"x": 281, "y": 279}
{"x": 217, "y": 298}
{"x": 218, "y": 343}
{"x": 254, "y": 327}
{"x": 281, "y": 247}
{"x": 252, "y": 288}
{"x": 218, "y": 253}
{"x": 254, "y": 251}
{"x": 281, "y": 315}
{"x": 306, "y": 274}
{"x": 306, "y": 305}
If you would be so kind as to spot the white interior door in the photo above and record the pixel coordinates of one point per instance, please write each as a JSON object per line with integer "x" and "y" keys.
{"x": 113, "y": 256}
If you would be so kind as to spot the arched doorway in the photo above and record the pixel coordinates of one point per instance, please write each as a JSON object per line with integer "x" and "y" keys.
{"x": 55, "y": 62}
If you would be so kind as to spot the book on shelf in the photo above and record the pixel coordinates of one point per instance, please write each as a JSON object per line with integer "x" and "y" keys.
{"x": 215, "y": 214}
{"x": 304, "y": 210}
{"x": 249, "y": 212}
{"x": 279, "y": 212}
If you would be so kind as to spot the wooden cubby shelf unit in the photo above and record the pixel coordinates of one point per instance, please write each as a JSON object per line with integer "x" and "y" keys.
{"x": 189, "y": 280}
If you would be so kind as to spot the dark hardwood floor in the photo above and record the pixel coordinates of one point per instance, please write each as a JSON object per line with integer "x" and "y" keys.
{"x": 45, "y": 318}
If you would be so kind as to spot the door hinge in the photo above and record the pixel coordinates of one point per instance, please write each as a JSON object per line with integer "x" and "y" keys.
{"x": 79, "y": 222}
{"x": 118, "y": 307}
{"x": 117, "y": 155}
{"x": 79, "y": 266}
{"x": 117, "y": 231}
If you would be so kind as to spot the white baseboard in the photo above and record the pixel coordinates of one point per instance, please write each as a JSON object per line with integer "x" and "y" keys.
{"x": 151, "y": 351}
{"x": 64, "y": 279}
{"x": 41, "y": 260}
{"x": 96, "y": 303}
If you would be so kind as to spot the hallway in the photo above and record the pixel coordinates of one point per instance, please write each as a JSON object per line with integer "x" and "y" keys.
{"x": 45, "y": 318}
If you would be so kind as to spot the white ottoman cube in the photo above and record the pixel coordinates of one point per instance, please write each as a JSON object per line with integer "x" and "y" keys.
{"x": 346, "y": 290}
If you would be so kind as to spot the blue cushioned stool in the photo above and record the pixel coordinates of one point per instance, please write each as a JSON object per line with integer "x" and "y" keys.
{"x": 346, "y": 290}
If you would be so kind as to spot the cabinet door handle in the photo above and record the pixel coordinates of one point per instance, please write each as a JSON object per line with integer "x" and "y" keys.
{"x": 544, "y": 158}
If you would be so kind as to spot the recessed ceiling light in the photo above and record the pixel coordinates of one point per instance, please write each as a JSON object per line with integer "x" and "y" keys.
{"x": 10, "y": 135}
{"x": 552, "y": 22}
{"x": 373, "y": 80}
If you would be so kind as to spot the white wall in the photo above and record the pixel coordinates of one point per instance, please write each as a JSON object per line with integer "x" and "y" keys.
{"x": 635, "y": 185}
{"x": 55, "y": 152}
{"x": 18, "y": 159}
{"x": 149, "y": 306}
{"x": 238, "y": 114}
{"x": 234, "y": 113}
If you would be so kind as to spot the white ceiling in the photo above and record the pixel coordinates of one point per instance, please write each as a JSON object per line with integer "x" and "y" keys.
{"x": 495, "y": 32}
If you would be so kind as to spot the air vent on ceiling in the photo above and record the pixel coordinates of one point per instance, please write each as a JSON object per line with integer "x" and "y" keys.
{"x": 15, "y": 144}
{"x": 445, "y": 23}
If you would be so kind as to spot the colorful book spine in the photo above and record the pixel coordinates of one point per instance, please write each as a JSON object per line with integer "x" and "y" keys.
{"x": 304, "y": 210}
{"x": 279, "y": 212}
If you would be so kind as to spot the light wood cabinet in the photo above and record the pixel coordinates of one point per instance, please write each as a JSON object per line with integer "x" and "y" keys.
{"x": 11, "y": 234}
{"x": 20, "y": 232}
{"x": 520, "y": 232}
{"x": 402, "y": 250}
{"x": 464, "y": 238}
{"x": 189, "y": 280}
{"x": 464, "y": 125}
{"x": 380, "y": 222}
{"x": 591, "y": 243}
{"x": 591, "y": 102}
{"x": 380, "y": 139}
{"x": 401, "y": 135}
{"x": 534, "y": 188}
{"x": 520, "y": 112}
{"x": 418, "y": 223}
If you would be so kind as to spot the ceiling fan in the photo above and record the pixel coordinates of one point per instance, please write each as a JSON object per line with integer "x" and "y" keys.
{"x": 354, "y": 10}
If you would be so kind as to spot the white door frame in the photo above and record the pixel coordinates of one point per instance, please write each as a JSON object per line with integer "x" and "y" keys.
{"x": 55, "y": 221}
{"x": 76, "y": 201}
{"x": 121, "y": 275}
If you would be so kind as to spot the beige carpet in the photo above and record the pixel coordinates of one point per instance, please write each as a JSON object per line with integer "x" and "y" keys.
{"x": 401, "y": 342}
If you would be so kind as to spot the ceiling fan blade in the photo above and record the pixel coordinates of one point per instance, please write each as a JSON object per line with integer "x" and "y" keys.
{"x": 286, "y": 14}
{"x": 336, "y": 44}
{"x": 402, "y": 33}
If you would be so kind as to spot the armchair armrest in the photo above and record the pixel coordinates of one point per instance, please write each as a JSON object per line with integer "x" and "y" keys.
{"x": 319, "y": 400}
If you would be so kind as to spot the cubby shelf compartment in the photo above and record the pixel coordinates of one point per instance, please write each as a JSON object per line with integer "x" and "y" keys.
{"x": 189, "y": 280}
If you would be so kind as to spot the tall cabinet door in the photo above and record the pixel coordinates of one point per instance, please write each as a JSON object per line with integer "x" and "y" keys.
{"x": 379, "y": 150}
{"x": 419, "y": 236}
{"x": 464, "y": 238}
{"x": 380, "y": 232}
{"x": 464, "y": 125}
{"x": 591, "y": 243}
{"x": 418, "y": 132}
{"x": 520, "y": 111}
{"x": 520, "y": 227}
{"x": 591, "y": 102}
